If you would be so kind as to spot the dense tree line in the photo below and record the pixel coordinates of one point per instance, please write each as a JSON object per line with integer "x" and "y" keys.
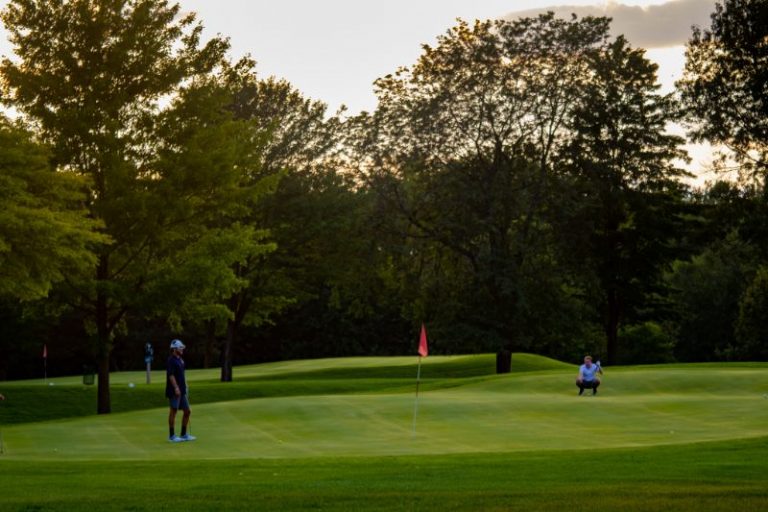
{"x": 516, "y": 188}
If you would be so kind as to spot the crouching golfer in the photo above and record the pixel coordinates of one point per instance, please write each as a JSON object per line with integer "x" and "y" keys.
{"x": 176, "y": 391}
{"x": 588, "y": 378}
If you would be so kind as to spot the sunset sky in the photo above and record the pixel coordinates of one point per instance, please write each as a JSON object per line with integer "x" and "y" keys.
{"x": 333, "y": 50}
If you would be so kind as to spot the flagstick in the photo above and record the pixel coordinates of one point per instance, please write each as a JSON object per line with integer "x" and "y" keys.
{"x": 416, "y": 403}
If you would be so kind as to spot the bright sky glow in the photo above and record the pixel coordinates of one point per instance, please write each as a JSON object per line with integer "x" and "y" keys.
{"x": 333, "y": 50}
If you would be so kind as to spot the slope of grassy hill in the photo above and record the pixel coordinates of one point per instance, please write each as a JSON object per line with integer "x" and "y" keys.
{"x": 340, "y": 435}
{"x": 367, "y": 408}
{"x": 67, "y": 397}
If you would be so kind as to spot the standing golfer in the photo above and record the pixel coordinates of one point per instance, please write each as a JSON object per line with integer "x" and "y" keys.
{"x": 176, "y": 391}
{"x": 588, "y": 378}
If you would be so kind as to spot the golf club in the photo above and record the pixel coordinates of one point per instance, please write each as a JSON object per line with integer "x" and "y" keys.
{"x": 189, "y": 421}
{"x": 178, "y": 407}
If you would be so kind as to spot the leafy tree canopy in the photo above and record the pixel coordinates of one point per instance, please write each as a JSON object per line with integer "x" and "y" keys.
{"x": 45, "y": 232}
{"x": 725, "y": 83}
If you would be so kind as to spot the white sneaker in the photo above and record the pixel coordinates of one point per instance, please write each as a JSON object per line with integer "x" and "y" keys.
{"x": 187, "y": 437}
{"x": 175, "y": 439}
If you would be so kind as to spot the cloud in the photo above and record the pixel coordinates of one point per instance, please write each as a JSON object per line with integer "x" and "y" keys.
{"x": 655, "y": 26}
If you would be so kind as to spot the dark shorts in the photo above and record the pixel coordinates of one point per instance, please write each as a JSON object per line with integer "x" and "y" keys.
{"x": 184, "y": 405}
{"x": 588, "y": 384}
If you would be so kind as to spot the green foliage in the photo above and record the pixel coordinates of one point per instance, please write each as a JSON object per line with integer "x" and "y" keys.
{"x": 461, "y": 153}
{"x": 326, "y": 283}
{"x": 723, "y": 85}
{"x": 646, "y": 343}
{"x": 303, "y": 137}
{"x": 194, "y": 282}
{"x": 96, "y": 77}
{"x": 213, "y": 161}
{"x": 305, "y": 214}
{"x": 45, "y": 232}
{"x": 515, "y": 187}
{"x": 623, "y": 165}
{"x": 752, "y": 325}
{"x": 707, "y": 293}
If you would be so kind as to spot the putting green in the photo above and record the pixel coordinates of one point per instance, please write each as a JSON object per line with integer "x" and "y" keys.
{"x": 347, "y": 367}
{"x": 526, "y": 411}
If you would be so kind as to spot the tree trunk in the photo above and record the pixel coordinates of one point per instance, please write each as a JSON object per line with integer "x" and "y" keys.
{"x": 103, "y": 345}
{"x": 612, "y": 327}
{"x": 104, "y": 400}
{"x": 238, "y": 304}
{"x": 226, "y": 353}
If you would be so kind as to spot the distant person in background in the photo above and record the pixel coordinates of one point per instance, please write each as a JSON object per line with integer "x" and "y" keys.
{"x": 176, "y": 392}
{"x": 2, "y": 397}
{"x": 588, "y": 378}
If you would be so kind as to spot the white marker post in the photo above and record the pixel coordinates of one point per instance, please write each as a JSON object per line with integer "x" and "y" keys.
{"x": 148, "y": 356}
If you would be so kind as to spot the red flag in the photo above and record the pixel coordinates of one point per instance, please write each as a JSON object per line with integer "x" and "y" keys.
{"x": 45, "y": 351}
{"x": 423, "y": 351}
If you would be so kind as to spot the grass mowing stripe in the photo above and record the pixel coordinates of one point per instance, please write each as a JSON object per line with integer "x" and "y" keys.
{"x": 509, "y": 413}
{"x": 307, "y": 425}
{"x": 378, "y": 367}
{"x": 698, "y": 477}
{"x": 62, "y": 402}
{"x": 67, "y": 397}
{"x": 74, "y": 400}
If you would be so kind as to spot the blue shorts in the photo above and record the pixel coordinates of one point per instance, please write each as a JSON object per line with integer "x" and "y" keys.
{"x": 184, "y": 405}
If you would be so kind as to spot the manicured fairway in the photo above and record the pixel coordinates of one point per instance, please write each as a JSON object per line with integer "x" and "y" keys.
{"x": 338, "y": 435}
{"x": 708, "y": 477}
